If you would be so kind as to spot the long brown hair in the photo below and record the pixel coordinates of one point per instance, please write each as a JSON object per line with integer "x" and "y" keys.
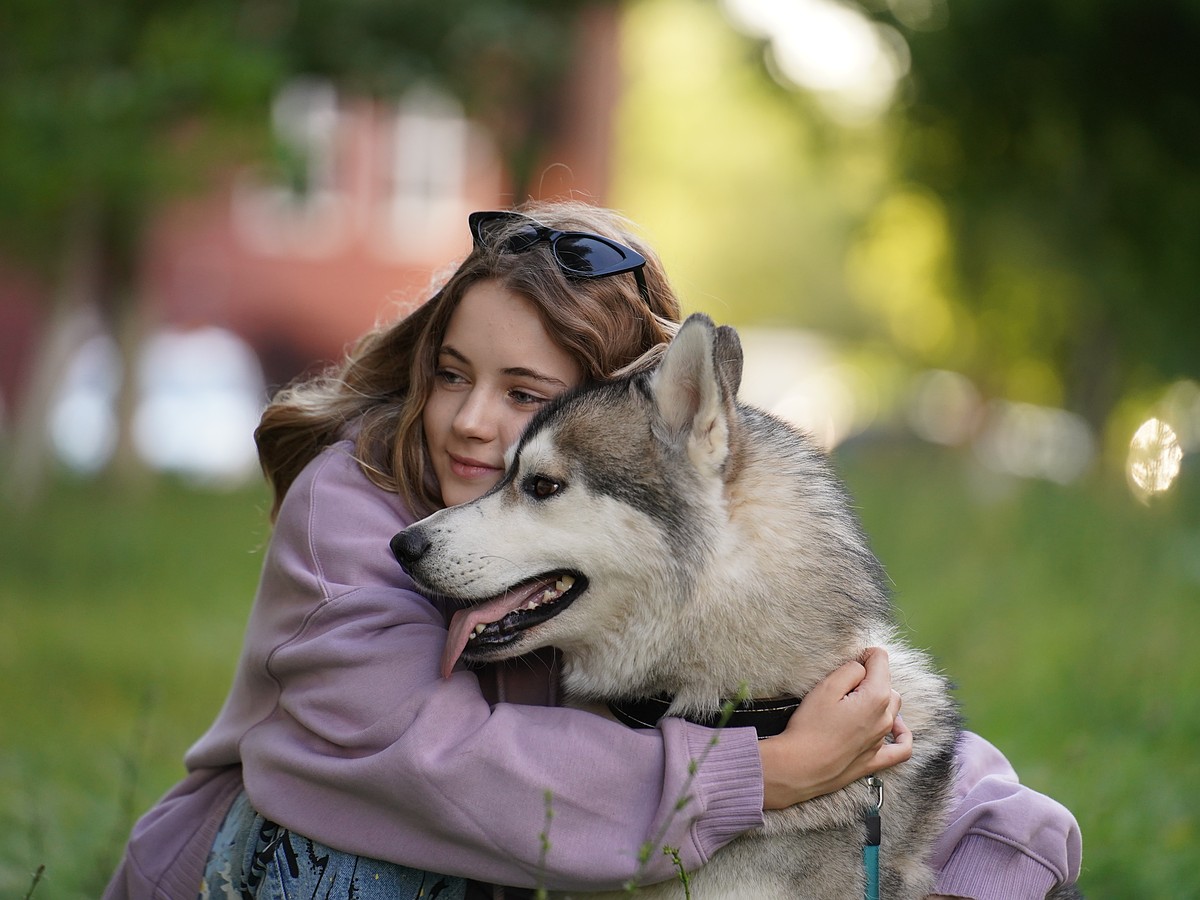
{"x": 378, "y": 392}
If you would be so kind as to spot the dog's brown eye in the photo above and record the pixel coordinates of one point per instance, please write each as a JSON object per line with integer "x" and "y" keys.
{"x": 540, "y": 486}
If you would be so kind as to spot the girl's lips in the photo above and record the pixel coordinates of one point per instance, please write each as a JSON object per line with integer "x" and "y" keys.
{"x": 465, "y": 467}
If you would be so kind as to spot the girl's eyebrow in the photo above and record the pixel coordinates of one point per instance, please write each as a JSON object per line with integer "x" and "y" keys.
{"x": 513, "y": 372}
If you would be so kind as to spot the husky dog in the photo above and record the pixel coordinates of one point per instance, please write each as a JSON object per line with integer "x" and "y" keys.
{"x": 672, "y": 542}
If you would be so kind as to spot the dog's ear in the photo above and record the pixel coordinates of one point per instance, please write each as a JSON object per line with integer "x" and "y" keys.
{"x": 728, "y": 354}
{"x": 692, "y": 392}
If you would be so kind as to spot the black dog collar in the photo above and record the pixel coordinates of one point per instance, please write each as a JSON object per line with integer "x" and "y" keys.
{"x": 767, "y": 717}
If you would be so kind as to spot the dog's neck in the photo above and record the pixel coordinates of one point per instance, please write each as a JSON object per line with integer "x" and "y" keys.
{"x": 767, "y": 717}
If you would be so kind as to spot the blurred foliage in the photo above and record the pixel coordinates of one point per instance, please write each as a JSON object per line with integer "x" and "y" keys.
{"x": 1025, "y": 213}
{"x": 113, "y": 106}
{"x": 109, "y": 110}
{"x": 106, "y": 107}
{"x": 749, "y": 197}
{"x": 1063, "y": 140}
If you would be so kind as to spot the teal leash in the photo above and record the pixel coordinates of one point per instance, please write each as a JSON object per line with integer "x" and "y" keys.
{"x": 871, "y": 847}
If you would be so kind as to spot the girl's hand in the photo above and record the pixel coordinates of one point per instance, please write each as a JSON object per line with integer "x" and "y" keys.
{"x": 837, "y": 735}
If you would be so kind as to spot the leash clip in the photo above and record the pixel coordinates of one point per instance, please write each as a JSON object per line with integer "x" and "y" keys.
{"x": 875, "y": 783}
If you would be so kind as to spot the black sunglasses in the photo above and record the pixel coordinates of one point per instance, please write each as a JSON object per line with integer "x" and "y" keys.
{"x": 579, "y": 254}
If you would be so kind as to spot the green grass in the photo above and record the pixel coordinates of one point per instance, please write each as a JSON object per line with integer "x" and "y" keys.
{"x": 122, "y": 618}
{"x": 1067, "y": 616}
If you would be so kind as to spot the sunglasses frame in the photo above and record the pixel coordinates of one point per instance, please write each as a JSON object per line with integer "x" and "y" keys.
{"x": 632, "y": 261}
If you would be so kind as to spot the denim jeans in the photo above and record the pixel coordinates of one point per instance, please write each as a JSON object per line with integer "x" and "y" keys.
{"x": 253, "y": 859}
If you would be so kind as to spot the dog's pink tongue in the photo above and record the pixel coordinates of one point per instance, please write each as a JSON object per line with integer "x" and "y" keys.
{"x": 465, "y": 620}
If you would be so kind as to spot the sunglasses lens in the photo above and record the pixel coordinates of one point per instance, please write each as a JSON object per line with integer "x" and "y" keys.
{"x": 488, "y": 227}
{"x": 522, "y": 239}
{"x": 485, "y": 225}
{"x": 589, "y": 256}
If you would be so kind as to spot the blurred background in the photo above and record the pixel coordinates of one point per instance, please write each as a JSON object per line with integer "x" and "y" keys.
{"x": 959, "y": 240}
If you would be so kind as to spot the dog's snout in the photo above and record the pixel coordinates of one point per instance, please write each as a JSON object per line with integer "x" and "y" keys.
{"x": 409, "y": 546}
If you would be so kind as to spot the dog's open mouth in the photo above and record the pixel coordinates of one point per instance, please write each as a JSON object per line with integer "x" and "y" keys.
{"x": 491, "y": 625}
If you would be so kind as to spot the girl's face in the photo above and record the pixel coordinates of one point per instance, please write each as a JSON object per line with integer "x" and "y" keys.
{"x": 496, "y": 367}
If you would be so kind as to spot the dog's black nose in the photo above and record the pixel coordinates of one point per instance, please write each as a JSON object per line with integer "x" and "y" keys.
{"x": 408, "y": 547}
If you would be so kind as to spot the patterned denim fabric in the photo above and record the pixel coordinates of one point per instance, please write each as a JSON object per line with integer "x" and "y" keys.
{"x": 253, "y": 859}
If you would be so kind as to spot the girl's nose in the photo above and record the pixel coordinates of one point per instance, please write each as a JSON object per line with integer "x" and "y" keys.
{"x": 476, "y": 417}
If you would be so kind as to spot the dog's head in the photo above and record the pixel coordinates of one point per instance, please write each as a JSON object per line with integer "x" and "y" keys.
{"x": 608, "y": 499}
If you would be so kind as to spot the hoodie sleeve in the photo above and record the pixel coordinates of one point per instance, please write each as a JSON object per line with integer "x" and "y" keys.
{"x": 346, "y": 732}
{"x": 1004, "y": 841}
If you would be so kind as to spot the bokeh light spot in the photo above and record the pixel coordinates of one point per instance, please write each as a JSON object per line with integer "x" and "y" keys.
{"x": 1155, "y": 455}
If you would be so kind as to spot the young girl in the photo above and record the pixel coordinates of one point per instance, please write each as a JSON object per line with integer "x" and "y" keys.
{"x": 343, "y": 764}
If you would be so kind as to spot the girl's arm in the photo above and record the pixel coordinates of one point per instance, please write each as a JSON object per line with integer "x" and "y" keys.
{"x": 1004, "y": 841}
{"x": 347, "y": 733}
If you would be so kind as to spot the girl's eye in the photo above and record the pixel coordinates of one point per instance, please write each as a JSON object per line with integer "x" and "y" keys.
{"x": 449, "y": 377}
{"x": 524, "y": 398}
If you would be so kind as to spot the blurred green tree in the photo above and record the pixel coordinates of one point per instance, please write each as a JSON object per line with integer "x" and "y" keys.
{"x": 109, "y": 109}
{"x": 105, "y": 109}
{"x": 1063, "y": 141}
{"x": 1025, "y": 211}
{"x": 749, "y": 193}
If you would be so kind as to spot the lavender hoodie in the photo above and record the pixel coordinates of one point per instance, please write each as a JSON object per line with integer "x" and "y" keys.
{"x": 340, "y": 728}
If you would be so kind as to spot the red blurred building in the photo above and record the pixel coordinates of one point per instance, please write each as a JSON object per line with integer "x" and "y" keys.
{"x": 299, "y": 275}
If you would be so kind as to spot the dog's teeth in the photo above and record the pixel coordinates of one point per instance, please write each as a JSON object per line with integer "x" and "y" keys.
{"x": 478, "y": 630}
{"x": 564, "y": 583}
{"x": 548, "y": 595}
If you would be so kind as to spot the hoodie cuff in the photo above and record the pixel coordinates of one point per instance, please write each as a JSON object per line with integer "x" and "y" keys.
{"x": 983, "y": 868}
{"x": 729, "y": 784}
